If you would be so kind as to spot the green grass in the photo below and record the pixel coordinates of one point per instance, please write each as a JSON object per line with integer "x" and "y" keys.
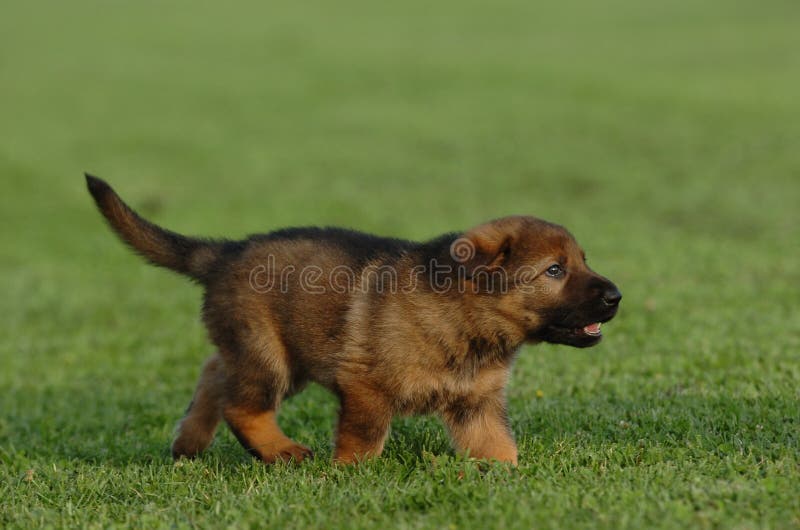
{"x": 665, "y": 136}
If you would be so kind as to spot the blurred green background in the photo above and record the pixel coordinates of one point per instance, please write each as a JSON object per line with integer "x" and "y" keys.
{"x": 665, "y": 136}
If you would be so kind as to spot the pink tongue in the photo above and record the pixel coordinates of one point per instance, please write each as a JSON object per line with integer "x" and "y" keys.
{"x": 592, "y": 328}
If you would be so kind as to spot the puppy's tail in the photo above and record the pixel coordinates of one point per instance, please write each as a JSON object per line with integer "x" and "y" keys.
{"x": 190, "y": 256}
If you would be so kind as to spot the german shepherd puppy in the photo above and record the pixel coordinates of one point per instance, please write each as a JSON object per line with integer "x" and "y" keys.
{"x": 389, "y": 326}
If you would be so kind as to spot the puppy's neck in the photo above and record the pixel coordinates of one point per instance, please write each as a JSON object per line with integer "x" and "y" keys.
{"x": 477, "y": 337}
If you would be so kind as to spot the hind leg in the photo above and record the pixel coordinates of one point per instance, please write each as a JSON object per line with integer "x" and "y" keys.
{"x": 196, "y": 429}
{"x": 260, "y": 435}
{"x": 251, "y": 408}
{"x": 364, "y": 419}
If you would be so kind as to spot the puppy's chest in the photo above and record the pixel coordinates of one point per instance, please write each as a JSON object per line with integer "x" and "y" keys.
{"x": 424, "y": 390}
{"x": 458, "y": 373}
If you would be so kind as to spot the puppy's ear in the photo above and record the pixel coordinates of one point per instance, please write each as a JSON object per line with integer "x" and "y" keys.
{"x": 484, "y": 248}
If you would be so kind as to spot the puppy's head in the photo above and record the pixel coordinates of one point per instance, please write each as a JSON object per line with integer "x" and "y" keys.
{"x": 534, "y": 275}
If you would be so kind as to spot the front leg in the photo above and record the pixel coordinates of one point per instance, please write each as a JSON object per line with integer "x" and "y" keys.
{"x": 364, "y": 420}
{"x": 482, "y": 430}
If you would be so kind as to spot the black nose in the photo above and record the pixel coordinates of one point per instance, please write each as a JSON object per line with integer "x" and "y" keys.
{"x": 612, "y": 296}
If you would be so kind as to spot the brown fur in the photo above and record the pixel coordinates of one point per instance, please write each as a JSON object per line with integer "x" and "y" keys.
{"x": 402, "y": 347}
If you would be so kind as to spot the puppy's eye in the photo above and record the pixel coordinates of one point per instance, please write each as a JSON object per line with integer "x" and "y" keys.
{"x": 555, "y": 271}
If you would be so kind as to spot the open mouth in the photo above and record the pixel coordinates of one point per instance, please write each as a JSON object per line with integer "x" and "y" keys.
{"x": 576, "y": 333}
{"x": 592, "y": 330}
